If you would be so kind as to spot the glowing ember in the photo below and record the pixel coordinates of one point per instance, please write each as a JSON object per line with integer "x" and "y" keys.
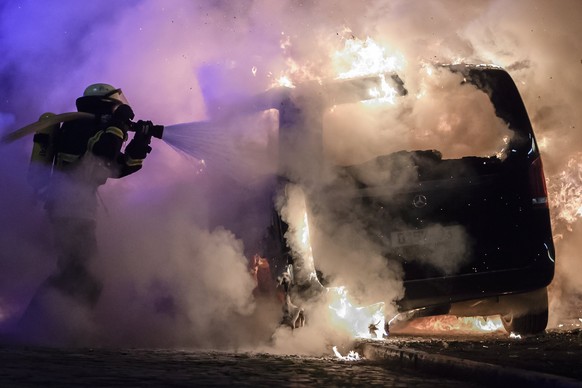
{"x": 351, "y": 356}
{"x": 514, "y": 336}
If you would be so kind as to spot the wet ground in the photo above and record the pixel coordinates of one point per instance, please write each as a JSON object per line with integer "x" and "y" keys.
{"x": 41, "y": 367}
{"x": 557, "y": 352}
{"x": 554, "y": 353}
{"x": 548, "y": 359}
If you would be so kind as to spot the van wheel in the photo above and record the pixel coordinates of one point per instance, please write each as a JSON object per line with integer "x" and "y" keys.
{"x": 530, "y": 322}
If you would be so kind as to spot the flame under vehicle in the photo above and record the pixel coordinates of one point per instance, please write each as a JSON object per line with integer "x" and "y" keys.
{"x": 450, "y": 187}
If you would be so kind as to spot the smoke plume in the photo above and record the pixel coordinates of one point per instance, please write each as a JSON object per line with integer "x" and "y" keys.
{"x": 175, "y": 236}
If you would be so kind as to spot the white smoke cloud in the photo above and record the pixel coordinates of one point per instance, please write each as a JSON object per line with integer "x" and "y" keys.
{"x": 156, "y": 51}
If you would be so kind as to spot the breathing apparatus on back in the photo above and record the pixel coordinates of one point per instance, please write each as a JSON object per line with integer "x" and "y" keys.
{"x": 43, "y": 154}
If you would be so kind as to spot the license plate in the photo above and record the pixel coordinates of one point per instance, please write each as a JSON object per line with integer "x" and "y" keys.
{"x": 425, "y": 236}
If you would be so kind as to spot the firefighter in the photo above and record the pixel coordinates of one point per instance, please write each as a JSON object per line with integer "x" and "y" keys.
{"x": 87, "y": 154}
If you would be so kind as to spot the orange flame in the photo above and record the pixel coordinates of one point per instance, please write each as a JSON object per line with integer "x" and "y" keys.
{"x": 451, "y": 323}
{"x": 261, "y": 271}
{"x": 359, "y": 58}
{"x": 360, "y": 322}
{"x": 565, "y": 192}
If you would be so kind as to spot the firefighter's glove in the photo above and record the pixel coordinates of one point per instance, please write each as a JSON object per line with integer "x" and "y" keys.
{"x": 139, "y": 146}
{"x": 144, "y": 128}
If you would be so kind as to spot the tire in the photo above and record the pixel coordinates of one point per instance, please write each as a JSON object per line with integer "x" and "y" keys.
{"x": 532, "y": 322}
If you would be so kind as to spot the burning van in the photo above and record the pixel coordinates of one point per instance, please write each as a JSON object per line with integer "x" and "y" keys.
{"x": 424, "y": 190}
{"x": 442, "y": 178}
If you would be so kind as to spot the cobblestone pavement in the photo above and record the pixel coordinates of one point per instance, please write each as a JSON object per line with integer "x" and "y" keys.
{"x": 41, "y": 367}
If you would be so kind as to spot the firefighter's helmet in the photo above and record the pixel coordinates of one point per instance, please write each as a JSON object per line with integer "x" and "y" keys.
{"x": 100, "y": 98}
{"x": 105, "y": 91}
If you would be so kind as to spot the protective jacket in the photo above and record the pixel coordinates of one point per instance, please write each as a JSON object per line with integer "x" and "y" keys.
{"x": 88, "y": 153}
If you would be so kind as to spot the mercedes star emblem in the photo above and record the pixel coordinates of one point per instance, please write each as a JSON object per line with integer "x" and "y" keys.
{"x": 419, "y": 201}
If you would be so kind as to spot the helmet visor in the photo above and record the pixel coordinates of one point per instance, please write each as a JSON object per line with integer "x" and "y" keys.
{"x": 117, "y": 94}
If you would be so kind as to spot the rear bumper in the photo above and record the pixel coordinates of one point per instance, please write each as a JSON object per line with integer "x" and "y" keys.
{"x": 445, "y": 291}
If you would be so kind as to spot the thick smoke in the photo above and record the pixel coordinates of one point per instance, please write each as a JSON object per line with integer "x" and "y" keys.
{"x": 173, "y": 242}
